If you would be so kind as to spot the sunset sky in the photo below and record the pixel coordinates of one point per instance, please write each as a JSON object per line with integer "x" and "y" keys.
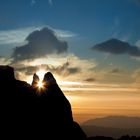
{"x": 91, "y": 46}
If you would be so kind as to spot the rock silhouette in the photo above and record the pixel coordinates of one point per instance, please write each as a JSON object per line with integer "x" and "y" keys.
{"x": 26, "y": 114}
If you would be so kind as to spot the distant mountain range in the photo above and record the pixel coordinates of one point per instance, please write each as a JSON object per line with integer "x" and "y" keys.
{"x": 113, "y": 126}
{"x": 115, "y": 122}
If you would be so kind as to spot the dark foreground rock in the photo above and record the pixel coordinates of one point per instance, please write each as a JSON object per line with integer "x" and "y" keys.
{"x": 25, "y": 114}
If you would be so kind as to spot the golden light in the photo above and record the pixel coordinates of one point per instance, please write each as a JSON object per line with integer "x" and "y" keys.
{"x": 69, "y": 83}
{"x": 41, "y": 74}
{"x": 40, "y": 84}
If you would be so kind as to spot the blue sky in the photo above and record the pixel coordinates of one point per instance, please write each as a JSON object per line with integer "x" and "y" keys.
{"x": 94, "y": 19}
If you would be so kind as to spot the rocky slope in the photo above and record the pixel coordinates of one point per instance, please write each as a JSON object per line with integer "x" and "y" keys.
{"x": 27, "y": 114}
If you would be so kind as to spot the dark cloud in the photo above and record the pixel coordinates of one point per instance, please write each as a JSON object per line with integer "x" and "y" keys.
{"x": 115, "y": 70}
{"x": 64, "y": 69}
{"x": 28, "y": 70}
{"x": 40, "y": 43}
{"x": 136, "y": 1}
{"x": 115, "y": 46}
{"x": 73, "y": 70}
{"x": 90, "y": 80}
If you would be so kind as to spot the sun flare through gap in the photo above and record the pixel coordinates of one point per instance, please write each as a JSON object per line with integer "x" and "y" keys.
{"x": 41, "y": 74}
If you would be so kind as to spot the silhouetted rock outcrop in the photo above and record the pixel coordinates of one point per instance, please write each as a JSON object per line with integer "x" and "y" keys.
{"x": 27, "y": 114}
{"x": 6, "y": 73}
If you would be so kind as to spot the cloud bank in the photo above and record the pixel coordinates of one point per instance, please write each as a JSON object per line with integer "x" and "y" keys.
{"x": 40, "y": 43}
{"x": 64, "y": 69}
{"x": 16, "y": 37}
{"x": 115, "y": 46}
{"x": 65, "y": 66}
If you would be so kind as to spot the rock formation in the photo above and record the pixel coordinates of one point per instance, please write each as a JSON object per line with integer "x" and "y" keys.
{"x": 25, "y": 114}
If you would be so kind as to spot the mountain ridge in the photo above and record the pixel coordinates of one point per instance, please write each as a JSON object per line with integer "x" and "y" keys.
{"x": 109, "y": 132}
{"x": 115, "y": 122}
{"x": 28, "y": 113}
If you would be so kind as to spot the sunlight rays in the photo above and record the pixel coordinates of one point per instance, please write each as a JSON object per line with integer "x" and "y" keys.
{"x": 41, "y": 74}
{"x": 40, "y": 84}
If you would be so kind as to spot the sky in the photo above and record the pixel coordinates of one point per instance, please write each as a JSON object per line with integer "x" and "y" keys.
{"x": 91, "y": 46}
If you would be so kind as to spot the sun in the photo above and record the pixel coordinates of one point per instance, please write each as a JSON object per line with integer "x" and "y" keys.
{"x": 40, "y": 84}
{"x": 41, "y": 74}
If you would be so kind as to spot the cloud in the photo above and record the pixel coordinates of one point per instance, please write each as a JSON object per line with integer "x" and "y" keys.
{"x": 136, "y": 74}
{"x": 61, "y": 70}
{"x": 67, "y": 67}
{"x": 63, "y": 34}
{"x": 64, "y": 69}
{"x": 115, "y": 70}
{"x": 115, "y": 46}
{"x": 28, "y": 70}
{"x": 73, "y": 70}
{"x": 33, "y": 2}
{"x": 40, "y": 43}
{"x": 50, "y": 2}
{"x": 136, "y": 77}
{"x": 90, "y": 80}
{"x": 138, "y": 43}
{"x": 136, "y": 1}
{"x": 4, "y": 61}
{"x": 17, "y": 37}
{"x": 136, "y": 58}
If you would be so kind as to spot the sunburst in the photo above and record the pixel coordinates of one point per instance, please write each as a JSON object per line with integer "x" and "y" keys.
{"x": 40, "y": 84}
